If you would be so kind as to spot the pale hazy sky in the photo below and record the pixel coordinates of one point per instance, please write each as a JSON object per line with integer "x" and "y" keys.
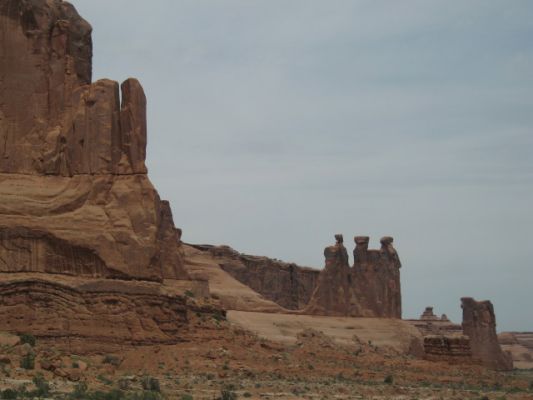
{"x": 275, "y": 124}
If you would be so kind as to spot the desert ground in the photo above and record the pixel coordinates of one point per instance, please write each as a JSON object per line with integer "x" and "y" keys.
{"x": 282, "y": 358}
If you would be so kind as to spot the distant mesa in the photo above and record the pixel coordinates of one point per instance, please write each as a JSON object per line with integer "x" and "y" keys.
{"x": 428, "y": 315}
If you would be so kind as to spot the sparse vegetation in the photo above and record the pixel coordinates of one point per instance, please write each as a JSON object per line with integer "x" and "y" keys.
{"x": 111, "y": 359}
{"x": 80, "y": 390}
{"x": 82, "y": 393}
{"x": 9, "y": 394}
{"x": 28, "y": 361}
{"x": 151, "y": 384}
{"x": 104, "y": 380}
{"x": 389, "y": 379}
{"x": 188, "y": 293}
{"x": 27, "y": 338}
{"x": 228, "y": 394}
{"x": 42, "y": 386}
{"x": 218, "y": 317}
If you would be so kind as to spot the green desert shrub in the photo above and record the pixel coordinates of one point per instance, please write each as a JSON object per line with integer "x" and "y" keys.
{"x": 28, "y": 361}
{"x": 150, "y": 384}
{"x": 111, "y": 359}
{"x": 42, "y": 386}
{"x": 9, "y": 394}
{"x": 227, "y": 394}
{"x": 27, "y": 338}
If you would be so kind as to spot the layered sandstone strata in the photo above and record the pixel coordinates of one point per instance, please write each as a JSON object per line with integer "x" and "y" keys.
{"x": 449, "y": 348}
{"x": 87, "y": 248}
{"x": 75, "y": 195}
{"x": 371, "y": 288}
{"x": 479, "y": 324}
{"x": 97, "y": 310}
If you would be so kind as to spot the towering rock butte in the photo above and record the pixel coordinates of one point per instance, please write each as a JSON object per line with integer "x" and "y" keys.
{"x": 75, "y": 195}
{"x": 76, "y": 199}
{"x": 371, "y": 288}
{"x": 479, "y": 324}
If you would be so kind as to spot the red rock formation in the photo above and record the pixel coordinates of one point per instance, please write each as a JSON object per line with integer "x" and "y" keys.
{"x": 335, "y": 293}
{"x": 72, "y": 168}
{"x": 428, "y": 314}
{"x": 85, "y": 241}
{"x": 449, "y": 348}
{"x": 376, "y": 274}
{"x": 101, "y": 311}
{"x": 371, "y": 288}
{"x": 479, "y": 324}
{"x": 287, "y": 284}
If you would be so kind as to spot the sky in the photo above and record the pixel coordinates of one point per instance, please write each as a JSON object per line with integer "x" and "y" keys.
{"x": 273, "y": 125}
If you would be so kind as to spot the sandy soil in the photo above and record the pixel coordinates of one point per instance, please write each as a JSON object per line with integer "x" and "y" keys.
{"x": 381, "y": 332}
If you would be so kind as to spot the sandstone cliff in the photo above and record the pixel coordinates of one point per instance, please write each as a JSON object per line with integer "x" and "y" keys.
{"x": 371, "y": 288}
{"x": 87, "y": 248}
{"x": 286, "y": 284}
{"x": 75, "y": 195}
